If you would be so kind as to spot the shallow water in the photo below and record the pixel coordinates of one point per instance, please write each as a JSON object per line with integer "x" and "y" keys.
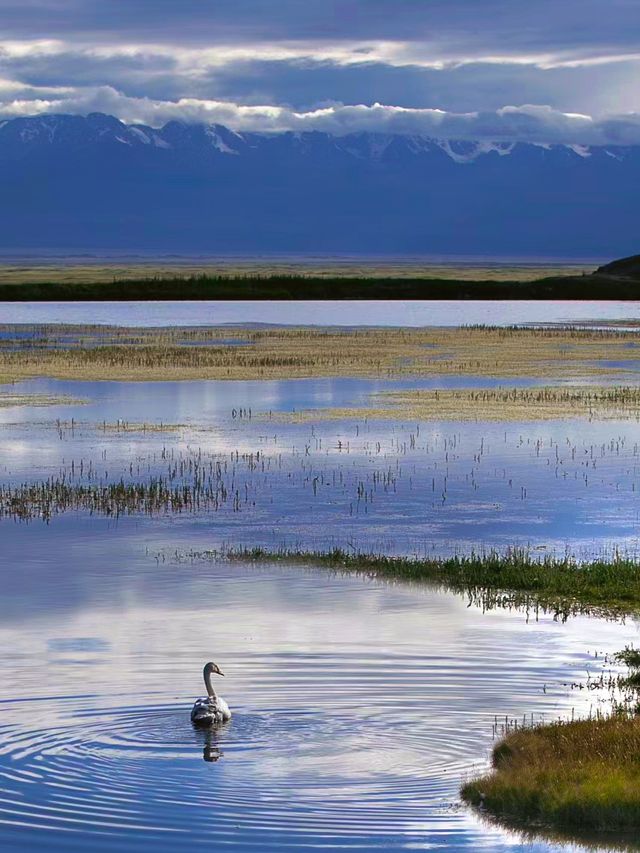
{"x": 431, "y": 488}
{"x": 359, "y": 706}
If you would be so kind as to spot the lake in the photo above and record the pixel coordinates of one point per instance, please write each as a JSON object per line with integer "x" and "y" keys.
{"x": 359, "y": 705}
{"x": 327, "y": 312}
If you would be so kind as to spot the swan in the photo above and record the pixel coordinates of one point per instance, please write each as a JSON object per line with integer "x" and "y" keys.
{"x": 210, "y": 710}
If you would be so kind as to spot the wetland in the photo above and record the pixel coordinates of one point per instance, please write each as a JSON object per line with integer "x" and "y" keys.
{"x": 389, "y": 587}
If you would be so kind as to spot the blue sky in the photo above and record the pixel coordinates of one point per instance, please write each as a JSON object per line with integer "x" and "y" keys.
{"x": 544, "y": 70}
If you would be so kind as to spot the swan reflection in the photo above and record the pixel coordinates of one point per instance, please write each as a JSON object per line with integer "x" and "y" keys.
{"x": 211, "y": 742}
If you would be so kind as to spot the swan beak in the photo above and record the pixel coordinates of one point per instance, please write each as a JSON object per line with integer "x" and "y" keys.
{"x": 220, "y": 672}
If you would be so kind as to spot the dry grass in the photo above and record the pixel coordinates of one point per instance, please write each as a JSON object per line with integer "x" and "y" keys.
{"x": 80, "y": 273}
{"x": 126, "y": 427}
{"x": 276, "y": 353}
{"x": 8, "y": 400}
{"x": 495, "y": 404}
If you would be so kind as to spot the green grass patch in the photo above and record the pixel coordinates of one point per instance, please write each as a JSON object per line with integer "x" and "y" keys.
{"x": 512, "y": 579}
{"x": 582, "y": 775}
{"x": 630, "y": 657}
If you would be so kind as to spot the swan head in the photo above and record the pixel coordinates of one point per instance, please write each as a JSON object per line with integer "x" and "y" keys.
{"x": 212, "y": 669}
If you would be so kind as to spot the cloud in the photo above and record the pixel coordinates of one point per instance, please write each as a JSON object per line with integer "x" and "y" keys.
{"x": 205, "y": 58}
{"x": 525, "y": 123}
{"x": 462, "y": 25}
{"x": 427, "y": 53}
{"x": 304, "y": 75}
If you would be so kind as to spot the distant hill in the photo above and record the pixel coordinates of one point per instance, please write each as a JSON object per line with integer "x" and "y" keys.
{"x": 93, "y": 183}
{"x": 626, "y": 268}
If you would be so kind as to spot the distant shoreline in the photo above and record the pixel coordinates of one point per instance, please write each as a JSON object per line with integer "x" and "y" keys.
{"x": 169, "y": 287}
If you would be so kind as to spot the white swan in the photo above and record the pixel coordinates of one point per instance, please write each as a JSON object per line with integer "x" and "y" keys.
{"x": 210, "y": 710}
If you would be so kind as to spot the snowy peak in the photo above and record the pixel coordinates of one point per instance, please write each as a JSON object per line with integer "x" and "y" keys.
{"x": 22, "y": 135}
{"x": 95, "y": 183}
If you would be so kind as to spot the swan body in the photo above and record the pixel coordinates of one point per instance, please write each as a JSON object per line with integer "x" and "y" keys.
{"x": 210, "y": 710}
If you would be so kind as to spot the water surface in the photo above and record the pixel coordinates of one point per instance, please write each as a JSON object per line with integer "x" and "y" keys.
{"x": 327, "y": 312}
{"x": 359, "y": 706}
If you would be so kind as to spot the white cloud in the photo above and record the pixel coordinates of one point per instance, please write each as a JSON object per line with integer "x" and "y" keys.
{"x": 528, "y": 122}
{"x": 395, "y": 54}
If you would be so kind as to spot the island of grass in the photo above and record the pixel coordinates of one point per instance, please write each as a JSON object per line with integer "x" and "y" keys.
{"x": 582, "y": 775}
{"x": 236, "y": 352}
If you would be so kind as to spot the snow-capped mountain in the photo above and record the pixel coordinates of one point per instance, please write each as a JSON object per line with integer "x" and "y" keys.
{"x": 95, "y": 183}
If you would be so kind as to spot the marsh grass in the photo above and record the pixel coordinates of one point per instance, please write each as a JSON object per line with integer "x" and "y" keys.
{"x": 493, "y": 404}
{"x": 86, "y": 352}
{"x": 582, "y": 775}
{"x": 514, "y": 579}
{"x": 8, "y": 400}
{"x": 571, "y": 775}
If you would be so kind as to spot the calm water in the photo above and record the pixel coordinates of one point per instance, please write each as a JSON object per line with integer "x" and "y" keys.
{"x": 359, "y": 706}
{"x": 431, "y": 488}
{"x": 328, "y": 312}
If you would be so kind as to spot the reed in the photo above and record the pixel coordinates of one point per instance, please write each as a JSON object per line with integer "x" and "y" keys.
{"x": 86, "y": 352}
{"x": 492, "y": 404}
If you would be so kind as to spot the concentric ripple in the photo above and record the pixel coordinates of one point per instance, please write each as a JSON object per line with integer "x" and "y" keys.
{"x": 359, "y": 707}
{"x": 286, "y": 775}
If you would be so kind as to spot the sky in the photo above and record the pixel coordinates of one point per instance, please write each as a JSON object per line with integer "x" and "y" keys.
{"x": 534, "y": 70}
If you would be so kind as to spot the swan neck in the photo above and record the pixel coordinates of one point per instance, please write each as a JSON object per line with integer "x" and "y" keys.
{"x": 207, "y": 681}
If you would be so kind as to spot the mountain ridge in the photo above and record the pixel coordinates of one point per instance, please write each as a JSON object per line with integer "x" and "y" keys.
{"x": 177, "y": 134}
{"x": 96, "y": 183}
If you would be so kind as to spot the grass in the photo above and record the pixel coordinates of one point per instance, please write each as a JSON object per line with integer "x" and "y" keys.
{"x": 493, "y": 404}
{"x": 582, "y": 775}
{"x": 8, "y": 400}
{"x": 579, "y": 775}
{"x": 514, "y": 579}
{"x": 93, "y": 353}
{"x": 85, "y": 273}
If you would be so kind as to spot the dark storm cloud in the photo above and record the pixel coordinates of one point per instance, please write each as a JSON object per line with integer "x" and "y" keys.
{"x": 458, "y": 25}
{"x": 150, "y": 60}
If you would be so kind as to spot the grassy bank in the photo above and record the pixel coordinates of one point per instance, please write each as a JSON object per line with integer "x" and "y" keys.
{"x": 582, "y": 775}
{"x": 86, "y": 352}
{"x": 298, "y": 286}
{"x": 514, "y": 579}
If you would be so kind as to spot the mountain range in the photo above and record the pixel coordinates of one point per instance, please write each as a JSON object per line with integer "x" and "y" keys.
{"x": 93, "y": 183}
